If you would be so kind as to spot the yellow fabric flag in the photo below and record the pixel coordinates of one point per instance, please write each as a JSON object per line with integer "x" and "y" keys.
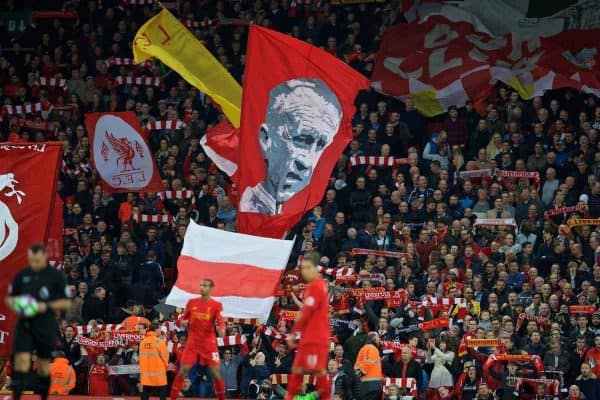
{"x": 165, "y": 38}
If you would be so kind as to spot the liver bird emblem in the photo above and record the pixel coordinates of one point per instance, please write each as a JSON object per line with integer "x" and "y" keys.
{"x": 124, "y": 149}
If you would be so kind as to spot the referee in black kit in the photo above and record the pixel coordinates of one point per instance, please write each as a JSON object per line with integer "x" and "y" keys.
{"x": 39, "y": 332}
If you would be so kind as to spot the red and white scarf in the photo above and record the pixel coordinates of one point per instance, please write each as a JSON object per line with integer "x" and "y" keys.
{"x": 24, "y": 109}
{"x": 495, "y": 222}
{"x": 126, "y": 61}
{"x": 52, "y": 82}
{"x": 185, "y": 194}
{"x": 566, "y": 210}
{"x": 140, "y": 81}
{"x": 336, "y": 271}
{"x": 157, "y": 219}
{"x": 168, "y": 124}
{"x": 38, "y": 125}
{"x": 85, "y": 329}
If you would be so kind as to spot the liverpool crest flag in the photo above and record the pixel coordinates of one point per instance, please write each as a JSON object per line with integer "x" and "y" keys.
{"x": 28, "y": 180}
{"x": 295, "y": 124}
{"x": 120, "y": 153}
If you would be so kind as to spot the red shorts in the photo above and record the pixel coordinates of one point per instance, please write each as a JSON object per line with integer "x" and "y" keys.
{"x": 311, "y": 357}
{"x": 208, "y": 356}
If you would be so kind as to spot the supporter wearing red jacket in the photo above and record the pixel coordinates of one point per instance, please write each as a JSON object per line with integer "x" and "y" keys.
{"x": 593, "y": 356}
{"x": 98, "y": 377}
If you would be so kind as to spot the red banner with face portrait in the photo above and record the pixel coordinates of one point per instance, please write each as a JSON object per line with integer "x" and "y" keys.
{"x": 28, "y": 178}
{"x": 297, "y": 104}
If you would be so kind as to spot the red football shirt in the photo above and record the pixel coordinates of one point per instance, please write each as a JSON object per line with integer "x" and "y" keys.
{"x": 203, "y": 317}
{"x": 313, "y": 324}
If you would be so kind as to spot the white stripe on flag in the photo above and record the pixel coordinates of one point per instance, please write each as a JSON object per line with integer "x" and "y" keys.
{"x": 261, "y": 259}
{"x": 215, "y": 245}
{"x": 233, "y": 306}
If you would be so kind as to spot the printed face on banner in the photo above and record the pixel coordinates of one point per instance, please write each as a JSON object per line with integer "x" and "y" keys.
{"x": 301, "y": 120}
{"x": 9, "y": 229}
{"x": 121, "y": 155}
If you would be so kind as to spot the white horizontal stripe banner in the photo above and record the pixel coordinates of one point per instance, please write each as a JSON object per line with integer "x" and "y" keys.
{"x": 233, "y": 306}
{"x": 215, "y": 245}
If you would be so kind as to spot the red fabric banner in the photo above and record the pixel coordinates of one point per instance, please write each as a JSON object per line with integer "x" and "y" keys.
{"x": 222, "y": 144}
{"x": 120, "y": 153}
{"x": 440, "y": 63}
{"x": 28, "y": 179}
{"x": 54, "y": 245}
{"x": 295, "y": 124}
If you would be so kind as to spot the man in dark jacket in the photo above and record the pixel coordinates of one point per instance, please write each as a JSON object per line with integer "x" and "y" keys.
{"x": 279, "y": 361}
{"x": 588, "y": 383}
{"x": 157, "y": 278}
{"x": 340, "y": 381}
{"x": 556, "y": 359}
{"x": 94, "y": 307}
{"x": 407, "y": 367}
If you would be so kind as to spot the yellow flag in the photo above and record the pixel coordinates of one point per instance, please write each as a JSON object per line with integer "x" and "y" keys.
{"x": 165, "y": 38}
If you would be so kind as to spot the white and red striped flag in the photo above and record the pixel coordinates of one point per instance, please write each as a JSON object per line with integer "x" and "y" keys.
{"x": 245, "y": 269}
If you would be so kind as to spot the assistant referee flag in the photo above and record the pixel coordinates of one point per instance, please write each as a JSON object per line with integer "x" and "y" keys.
{"x": 165, "y": 38}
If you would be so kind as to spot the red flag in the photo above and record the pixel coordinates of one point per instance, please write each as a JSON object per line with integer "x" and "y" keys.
{"x": 120, "y": 153}
{"x": 54, "y": 245}
{"x": 297, "y": 104}
{"x": 28, "y": 178}
{"x": 442, "y": 62}
{"x": 222, "y": 145}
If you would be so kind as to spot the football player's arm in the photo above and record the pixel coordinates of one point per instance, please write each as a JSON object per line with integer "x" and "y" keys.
{"x": 309, "y": 304}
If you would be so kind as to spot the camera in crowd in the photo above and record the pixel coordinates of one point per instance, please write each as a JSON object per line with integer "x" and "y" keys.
{"x": 263, "y": 391}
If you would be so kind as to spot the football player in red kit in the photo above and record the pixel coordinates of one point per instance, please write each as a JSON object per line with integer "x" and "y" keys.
{"x": 203, "y": 316}
{"x": 313, "y": 325}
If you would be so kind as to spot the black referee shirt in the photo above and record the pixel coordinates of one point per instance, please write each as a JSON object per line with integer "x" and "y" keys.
{"x": 46, "y": 285}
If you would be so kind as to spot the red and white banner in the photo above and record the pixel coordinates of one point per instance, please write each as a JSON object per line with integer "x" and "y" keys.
{"x": 120, "y": 153}
{"x": 246, "y": 270}
{"x": 28, "y": 178}
{"x": 443, "y": 61}
{"x": 295, "y": 125}
{"x": 222, "y": 145}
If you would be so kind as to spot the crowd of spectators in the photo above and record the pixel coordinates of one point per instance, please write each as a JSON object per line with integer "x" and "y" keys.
{"x": 517, "y": 281}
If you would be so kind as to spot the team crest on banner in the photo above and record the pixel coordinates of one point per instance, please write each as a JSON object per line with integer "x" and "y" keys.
{"x": 28, "y": 180}
{"x": 120, "y": 153}
{"x": 9, "y": 229}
